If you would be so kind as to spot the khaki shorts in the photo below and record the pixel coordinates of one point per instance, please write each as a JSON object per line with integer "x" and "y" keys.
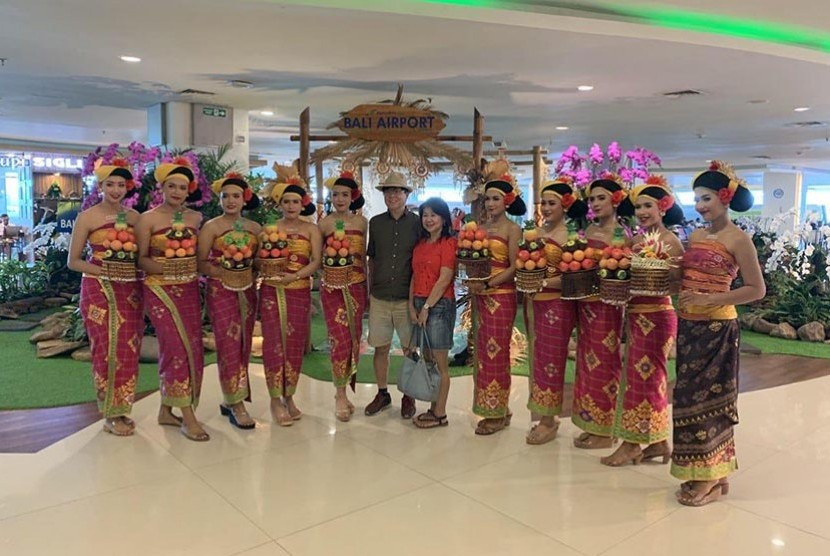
{"x": 386, "y": 317}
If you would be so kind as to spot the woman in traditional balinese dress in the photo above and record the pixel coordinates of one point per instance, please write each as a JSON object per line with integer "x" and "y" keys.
{"x": 232, "y": 312}
{"x": 285, "y": 301}
{"x": 642, "y": 415}
{"x": 598, "y": 360}
{"x": 708, "y": 338}
{"x": 343, "y": 307}
{"x": 172, "y": 302}
{"x": 495, "y": 305}
{"x": 112, "y": 311}
{"x": 551, "y": 319}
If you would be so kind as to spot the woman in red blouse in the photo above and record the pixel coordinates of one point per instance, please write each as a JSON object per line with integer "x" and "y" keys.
{"x": 432, "y": 298}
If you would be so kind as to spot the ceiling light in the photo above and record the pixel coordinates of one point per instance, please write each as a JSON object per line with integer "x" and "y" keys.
{"x": 130, "y": 59}
{"x": 240, "y": 84}
{"x": 778, "y": 542}
{"x": 561, "y": 128}
{"x": 585, "y": 88}
{"x": 267, "y": 113}
{"x": 801, "y": 109}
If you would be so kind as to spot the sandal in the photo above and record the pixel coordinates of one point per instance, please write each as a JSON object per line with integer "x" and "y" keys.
{"x": 281, "y": 414}
{"x": 168, "y": 419}
{"x": 541, "y": 434}
{"x": 201, "y": 436}
{"x": 429, "y": 420}
{"x": 343, "y": 414}
{"x": 659, "y": 450}
{"x": 696, "y": 498}
{"x": 588, "y": 441}
{"x": 490, "y": 425}
{"x": 118, "y": 426}
{"x": 627, "y": 452}
{"x": 239, "y": 419}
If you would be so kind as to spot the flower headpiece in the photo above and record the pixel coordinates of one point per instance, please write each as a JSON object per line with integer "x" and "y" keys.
{"x": 654, "y": 181}
{"x": 180, "y": 165}
{"x": 117, "y": 167}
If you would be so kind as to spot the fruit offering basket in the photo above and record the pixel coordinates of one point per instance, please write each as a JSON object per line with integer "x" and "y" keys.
{"x": 236, "y": 261}
{"x": 578, "y": 267}
{"x": 120, "y": 257}
{"x": 531, "y": 265}
{"x": 650, "y": 267}
{"x": 338, "y": 258}
{"x": 272, "y": 257}
{"x": 615, "y": 271}
{"x": 474, "y": 252}
{"x": 179, "y": 261}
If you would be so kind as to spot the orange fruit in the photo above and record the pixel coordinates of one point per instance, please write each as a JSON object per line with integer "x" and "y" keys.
{"x": 575, "y": 265}
{"x": 564, "y": 267}
{"x": 190, "y": 251}
{"x": 536, "y": 255}
{"x": 567, "y": 257}
{"x": 169, "y": 253}
{"x": 611, "y": 264}
{"x": 238, "y": 256}
{"x": 128, "y": 246}
{"x": 542, "y": 263}
{"x": 331, "y": 252}
{"x": 579, "y": 255}
{"x": 181, "y": 252}
{"x": 530, "y": 265}
{"x": 174, "y": 244}
{"x": 477, "y": 245}
{"x": 520, "y": 263}
{"x": 116, "y": 245}
{"x": 624, "y": 263}
{"x": 588, "y": 264}
{"x": 480, "y": 234}
{"x": 343, "y": 252}
{"x": 273, "y": 236}
{"x": 112, "y": 234}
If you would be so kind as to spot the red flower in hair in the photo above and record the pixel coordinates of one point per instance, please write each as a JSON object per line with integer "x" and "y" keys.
{"x": 506, "y": 177}
{"x": 509, "y": 199}
{"x": 192, "y": 186}
{"x": 617, "y": 197}
{"x": 130, "y": 185}
{"x": 714, "y": 166}
{"x": 568, "y": 200}
{"x": 293, "y": 180}
{"x": 181, "y": 161}
{"x": 247, "y": 194}
{"x": 347, "y": 175}
{"x": 306, "y": 200}
{"x": 665, "y": 203}
{"x": 355, "y": 194}
{"x": 725, "y": 195}
{"x": 234, "y": 176}
{"x": 120, "y": 162}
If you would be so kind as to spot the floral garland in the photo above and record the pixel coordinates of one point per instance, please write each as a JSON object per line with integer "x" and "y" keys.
{"x": 141, "y": 159}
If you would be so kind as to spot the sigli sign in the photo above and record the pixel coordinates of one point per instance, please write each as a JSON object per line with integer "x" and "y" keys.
{"x": 393, "y": 123}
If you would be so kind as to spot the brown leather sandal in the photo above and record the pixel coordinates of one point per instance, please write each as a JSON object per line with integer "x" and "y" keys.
{"x": 697, "y": 497}
{"x": 541, "y": 434}
{"x": 491, "y": 425}
{"x": 429, "y": 420}
{"x": 626, "y": 453}
{"x": 118, "y": 427}
{"x": 588, "y": 441}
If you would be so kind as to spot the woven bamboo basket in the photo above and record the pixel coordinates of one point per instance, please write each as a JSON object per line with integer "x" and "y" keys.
{"x": 476, "y": 269}
{"x": 579, "y": 284}
{"x": 269, "y": 268}
{"x": 337, "y": 277}
{"x": 650, "y": 277}
{"x": 180, "y": 268}
{"x": 119, "y": 271}
{"x": 614, "y": 292}
{"x": 530, "y": 281}
{"x": 237, "y": 279}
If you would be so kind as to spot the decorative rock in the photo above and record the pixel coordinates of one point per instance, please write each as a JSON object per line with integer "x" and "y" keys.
{"x": 55, "y": 318}
{"x": 83, "y": 354}
{"x": 149, "y": 350}
{"x": 812, "y": 332}
{"x": 784, "y": 330}
{"x": 763, "y": 326}
{"x": 50, "y": 348}
{"x": 54, "y": 301}
{"x": 54, "y": 332}
{"x": 747, "y": 320}
{"x": 7, "y": 312}
{"x": 209, "y": 341}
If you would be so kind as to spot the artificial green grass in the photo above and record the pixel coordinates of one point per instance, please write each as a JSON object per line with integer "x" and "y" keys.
{"x": 768, "y": 344}
{"x": 28, "y": 382}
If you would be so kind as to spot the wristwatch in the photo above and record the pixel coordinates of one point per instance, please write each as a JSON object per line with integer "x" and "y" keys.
{"x": 426, "y": 306}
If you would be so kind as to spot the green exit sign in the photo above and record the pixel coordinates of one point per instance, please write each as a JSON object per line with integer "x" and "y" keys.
{"x": 214, "y": 111}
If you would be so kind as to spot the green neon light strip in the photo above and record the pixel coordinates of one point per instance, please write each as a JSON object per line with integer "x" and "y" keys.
{"x": 714, "y": 24}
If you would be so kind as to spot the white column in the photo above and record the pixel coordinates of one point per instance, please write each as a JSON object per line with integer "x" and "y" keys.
{"x": 241, "y": 146}
{"x": 782, "y": 192}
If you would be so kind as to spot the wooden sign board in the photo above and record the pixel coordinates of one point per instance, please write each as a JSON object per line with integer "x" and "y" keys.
{"x": 392, "y": 123}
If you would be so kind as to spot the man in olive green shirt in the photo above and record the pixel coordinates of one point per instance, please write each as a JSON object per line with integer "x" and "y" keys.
{"x": 392, "y": 238}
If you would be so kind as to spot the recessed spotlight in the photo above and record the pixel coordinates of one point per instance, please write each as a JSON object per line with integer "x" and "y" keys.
{"x": 240, "y": 84}
{"x": 131, "y": 59}
{"x": 585, "y": 88}
{"x": 267, "y": 113}
{"x": 801, "y": 109}
{"x": 562, "y": 128}
{"x": 778, "y": 542}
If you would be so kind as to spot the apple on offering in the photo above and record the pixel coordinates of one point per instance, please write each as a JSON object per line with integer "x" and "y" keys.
{"x": 338, "y": 249}
{"x": 119, "y": 243}
{"x": 472, "y": 243}
{"x": 180, "y": 240}
{"x": 273, "y": 244}
{"x": 531, "y": 254}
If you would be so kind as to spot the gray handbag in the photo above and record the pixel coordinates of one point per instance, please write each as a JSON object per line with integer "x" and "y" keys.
{"x": 419, "y": 378}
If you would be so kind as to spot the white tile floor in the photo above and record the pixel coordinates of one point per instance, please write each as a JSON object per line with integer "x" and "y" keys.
{"x": 379, "y": 486}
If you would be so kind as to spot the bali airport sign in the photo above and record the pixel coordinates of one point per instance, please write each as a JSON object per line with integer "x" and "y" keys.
{"x": 392, "y": 123}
